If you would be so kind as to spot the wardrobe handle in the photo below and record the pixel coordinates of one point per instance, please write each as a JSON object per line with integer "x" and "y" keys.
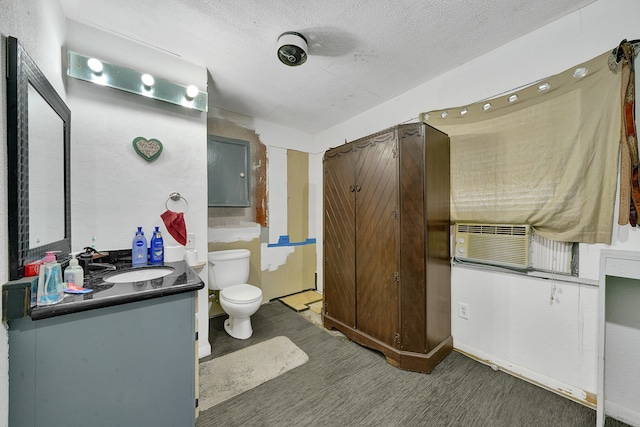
{"x": 358, "y": 188}
{"x": 352, "y": 188}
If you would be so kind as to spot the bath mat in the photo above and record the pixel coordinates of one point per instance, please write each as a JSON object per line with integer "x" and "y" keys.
{"x": 232, "y": 374}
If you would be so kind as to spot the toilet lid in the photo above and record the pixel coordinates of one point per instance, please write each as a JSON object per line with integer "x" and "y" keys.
{"x": 241, "y": 294}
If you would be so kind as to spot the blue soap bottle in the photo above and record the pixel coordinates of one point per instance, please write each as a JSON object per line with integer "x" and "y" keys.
{"x": 50, "y": 285}
{"x": 157, "y": 248}
{"x": 139, "y": 249}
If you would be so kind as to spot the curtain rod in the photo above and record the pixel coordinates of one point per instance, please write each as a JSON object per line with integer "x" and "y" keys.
{"x": 618, "y": 51}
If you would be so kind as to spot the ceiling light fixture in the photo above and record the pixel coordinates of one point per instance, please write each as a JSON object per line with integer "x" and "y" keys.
{"x": 544, "y": 87}
{"x": 292, "y": 48}
{"x": 513, "y": 98}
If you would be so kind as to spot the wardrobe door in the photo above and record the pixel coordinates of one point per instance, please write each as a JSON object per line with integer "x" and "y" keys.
{"x": 413, "y": 315}
{"x": 376, "y": 238}
{"x": 339, "y": 236}
{"x": 437, "y": 195}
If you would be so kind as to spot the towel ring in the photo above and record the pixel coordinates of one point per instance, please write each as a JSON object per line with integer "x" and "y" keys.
{"x": 175, "y": 196}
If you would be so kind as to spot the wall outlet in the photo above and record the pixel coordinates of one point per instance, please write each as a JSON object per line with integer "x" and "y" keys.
{"x": 463, "y": 310}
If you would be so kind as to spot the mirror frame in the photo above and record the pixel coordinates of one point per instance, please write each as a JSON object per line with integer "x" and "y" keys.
{"x": 22, "y": 71}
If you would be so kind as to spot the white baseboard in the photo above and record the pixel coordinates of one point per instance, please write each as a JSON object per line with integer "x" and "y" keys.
{"x": 576, "y": 394}
{"x": 204, "y": 349}
{"x": 622, "y": 413}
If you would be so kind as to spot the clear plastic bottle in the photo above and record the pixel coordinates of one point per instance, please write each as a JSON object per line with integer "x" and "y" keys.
{"x": 139, "y": 250}
{"x": 50, "y": 285}
{"x": 74, "y": 273}
{"x": 157, "y": 248}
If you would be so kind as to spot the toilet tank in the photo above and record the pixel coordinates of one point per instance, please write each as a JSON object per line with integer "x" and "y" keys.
{"x": 229, "y": 267}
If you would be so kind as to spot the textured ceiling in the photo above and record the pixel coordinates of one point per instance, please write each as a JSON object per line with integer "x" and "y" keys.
{"x": 361, "y": 52}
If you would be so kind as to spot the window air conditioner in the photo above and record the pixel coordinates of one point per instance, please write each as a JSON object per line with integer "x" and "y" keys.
{"x": 496, "y": 244}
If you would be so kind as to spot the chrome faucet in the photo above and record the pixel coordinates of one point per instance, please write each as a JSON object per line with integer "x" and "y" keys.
{"x": 86, "y": 259}
{"x": 100, "y": 266}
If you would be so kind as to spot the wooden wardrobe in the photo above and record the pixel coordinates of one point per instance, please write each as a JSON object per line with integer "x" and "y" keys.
{"x": 387, "y": 274}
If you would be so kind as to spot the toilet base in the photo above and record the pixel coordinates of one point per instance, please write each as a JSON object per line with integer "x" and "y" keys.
{"x": 238, "y": 327}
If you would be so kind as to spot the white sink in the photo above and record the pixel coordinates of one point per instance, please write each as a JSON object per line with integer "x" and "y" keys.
{"x": 139, "y": 275}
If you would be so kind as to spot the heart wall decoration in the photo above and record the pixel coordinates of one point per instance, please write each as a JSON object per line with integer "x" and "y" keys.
{"x": 148, "y": 149}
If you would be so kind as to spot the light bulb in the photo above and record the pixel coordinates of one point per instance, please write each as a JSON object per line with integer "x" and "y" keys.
{"x": 580, "y": 72}
{"x": 192, "y": 91}
{"x": 95, "y": 65}
{"x": 147, "y": 80}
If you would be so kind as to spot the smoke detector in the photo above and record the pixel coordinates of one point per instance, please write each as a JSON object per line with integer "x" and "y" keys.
{"x": 292, "y": 48}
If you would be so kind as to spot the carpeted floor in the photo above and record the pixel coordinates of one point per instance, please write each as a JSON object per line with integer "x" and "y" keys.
{"x": 344, "y": 384}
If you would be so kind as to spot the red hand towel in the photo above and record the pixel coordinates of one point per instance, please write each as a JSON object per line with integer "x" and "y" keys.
{"x": 174, "y": 221}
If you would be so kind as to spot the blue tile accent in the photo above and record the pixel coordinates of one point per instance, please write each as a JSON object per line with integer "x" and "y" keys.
{"x": 284, "y": 241}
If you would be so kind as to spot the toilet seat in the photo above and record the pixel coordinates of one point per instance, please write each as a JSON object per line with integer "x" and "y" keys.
{"x": 241, "y": 294}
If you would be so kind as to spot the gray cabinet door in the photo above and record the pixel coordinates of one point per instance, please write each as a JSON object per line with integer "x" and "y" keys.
{"x": 125, "y": 365}
{"x": 228, "y": 172}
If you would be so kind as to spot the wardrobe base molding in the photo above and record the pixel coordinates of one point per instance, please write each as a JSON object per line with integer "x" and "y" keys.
{"x": 406, "y": 360}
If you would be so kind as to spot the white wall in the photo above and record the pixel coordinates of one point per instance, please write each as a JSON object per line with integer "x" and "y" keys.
{"x": 278, "y": 139}
{"x": 114, "y": 190}
{"x": 39, "y": 26}
{"x": 512, "y": 322}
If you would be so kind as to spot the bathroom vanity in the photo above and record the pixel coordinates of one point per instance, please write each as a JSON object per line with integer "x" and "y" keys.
{"x": 122, "y": 355}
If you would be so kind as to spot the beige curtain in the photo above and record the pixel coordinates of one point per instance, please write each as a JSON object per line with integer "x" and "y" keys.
{"x": 545, "y": 155}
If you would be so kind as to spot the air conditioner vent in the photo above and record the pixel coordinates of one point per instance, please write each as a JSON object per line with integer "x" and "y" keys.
{"x": 499, "y": 244}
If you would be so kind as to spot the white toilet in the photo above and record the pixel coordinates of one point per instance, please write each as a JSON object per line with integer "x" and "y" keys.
{"x": 228, "y": 273}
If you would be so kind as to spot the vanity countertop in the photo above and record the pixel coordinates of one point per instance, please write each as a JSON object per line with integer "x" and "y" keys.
{"x": 104, "y": 294}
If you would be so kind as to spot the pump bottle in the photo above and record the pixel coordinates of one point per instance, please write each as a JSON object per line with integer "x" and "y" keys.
{"x": 50, "y": 285}
{"x": 157, "y": 248}
{"x": 139, "y": 249}
{"x": 74, "y": 273}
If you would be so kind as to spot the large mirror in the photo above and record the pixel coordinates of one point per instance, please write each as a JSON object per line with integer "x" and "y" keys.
{"x": 38, "y": 145}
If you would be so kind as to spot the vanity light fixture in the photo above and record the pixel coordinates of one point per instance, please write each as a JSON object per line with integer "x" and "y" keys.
{"x": 147, "y": 80}
{"x": 542, "y": 87}
{"x": 444, "y": 114}
{"x": 486, "y": 107}
{"x": 86, "y": 68}
{"x": 513, "y": 98}
{"x": 95, "y": 65}
{"x": 464, "y": 111}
